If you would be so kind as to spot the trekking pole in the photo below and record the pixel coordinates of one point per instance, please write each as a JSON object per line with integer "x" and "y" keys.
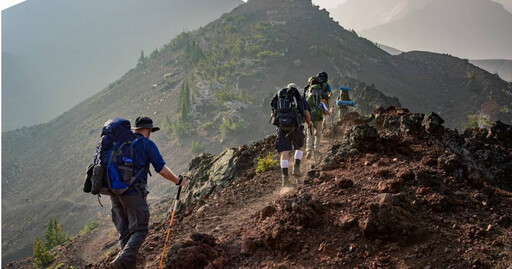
{"x": 176, "y": 203}
{"x": 332, "y": 127}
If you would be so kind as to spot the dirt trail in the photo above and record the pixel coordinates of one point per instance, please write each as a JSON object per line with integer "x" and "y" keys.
{"x": 231, "y": 221}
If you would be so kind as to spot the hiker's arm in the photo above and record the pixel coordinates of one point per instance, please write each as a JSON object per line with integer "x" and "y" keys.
{"x": 169, "y": 175}
{"x": 307, "y": 117}
{"x": 329, "y": 111}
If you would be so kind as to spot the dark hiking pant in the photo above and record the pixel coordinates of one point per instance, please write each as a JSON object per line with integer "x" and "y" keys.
{"x": 130, "y": 214}
{"x": 287, "y": 141}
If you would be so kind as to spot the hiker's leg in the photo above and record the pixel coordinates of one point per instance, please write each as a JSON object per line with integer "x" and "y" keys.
{"x": 318, "y": 134}
{"x": 137, "y": 211}
{"x": 120, "y": 220}
{"x": 325, "y": 119}
{"x": 309, "y": 142}
{"x": 296, "y": 166}
{"x": 284, "y": 162}
{"x": 285, "y": 179}
{"x": 342, "y": 111}
{"x": 284, "y": 145}
{"x": 298, "y": 142}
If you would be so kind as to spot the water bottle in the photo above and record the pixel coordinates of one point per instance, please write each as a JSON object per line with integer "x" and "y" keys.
{"x": 128, "y": 161}
{"x": 345, "y": 103}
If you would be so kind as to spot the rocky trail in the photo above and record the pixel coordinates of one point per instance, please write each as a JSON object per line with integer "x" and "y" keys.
{"x": 393, "y": 190}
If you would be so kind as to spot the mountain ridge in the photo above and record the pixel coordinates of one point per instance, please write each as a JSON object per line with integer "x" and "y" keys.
{"x": 393, "y": 189}
{"x": 233, "y": 66}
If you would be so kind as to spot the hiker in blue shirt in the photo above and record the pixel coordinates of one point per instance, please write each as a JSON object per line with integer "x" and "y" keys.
{"x": 130, "y": 211}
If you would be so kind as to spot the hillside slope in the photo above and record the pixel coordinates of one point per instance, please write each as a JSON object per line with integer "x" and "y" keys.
{"x": 394, "y": 190}
{"x": 227, "y": 71}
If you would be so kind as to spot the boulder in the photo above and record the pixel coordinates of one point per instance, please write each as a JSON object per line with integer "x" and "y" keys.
{"x": 248, "y": 246}
{"x": 388, "y": 222}
{"x": 432, "y": 123}
{"x": 452, "y": 164}
{"x": 344, "y": 183}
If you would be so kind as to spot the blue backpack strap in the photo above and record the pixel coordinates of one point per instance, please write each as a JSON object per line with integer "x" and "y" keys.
{"x": 134, "y": 141}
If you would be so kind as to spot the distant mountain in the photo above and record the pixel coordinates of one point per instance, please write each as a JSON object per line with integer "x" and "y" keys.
{"x": 57, "y": 53}
{"x": 507, "y": 4}
{"x": 473, "y": 29}
{"x": 209, "y": 90}
{"x": 501, "y": 67}
{"x": 365, "y": 14}
{"x": 389, "y": 49}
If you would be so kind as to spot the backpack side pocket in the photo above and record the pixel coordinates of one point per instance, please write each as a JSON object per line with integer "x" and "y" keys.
{"x": 87, "y": 183}
{"x": 96, "y": 179}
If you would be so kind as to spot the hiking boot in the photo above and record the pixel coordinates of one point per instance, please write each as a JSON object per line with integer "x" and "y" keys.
{"x": 116, "y": 264}
{"x": 285, "y": 182}
{"x": 296, "y": 171}
{"x": 120, "y": 262}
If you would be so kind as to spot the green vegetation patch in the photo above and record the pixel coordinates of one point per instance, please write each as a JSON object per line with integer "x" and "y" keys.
{"x": 265, "y": 163}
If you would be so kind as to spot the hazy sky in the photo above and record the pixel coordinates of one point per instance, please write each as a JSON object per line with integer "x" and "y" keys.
{"x": 323, "y": 3}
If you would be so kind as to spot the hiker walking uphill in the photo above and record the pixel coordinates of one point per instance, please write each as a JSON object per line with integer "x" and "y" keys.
{"x": 343, "y": 102}
{"x": 289, "y": 111}
{"x": 327, "y": 92}
{"x": 315, "y": 98}
{"x": 120, "y": 170}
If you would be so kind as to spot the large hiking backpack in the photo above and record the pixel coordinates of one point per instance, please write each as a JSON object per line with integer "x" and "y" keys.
{"x": 314, "y": 98}
{"x": 285, "y": 109}
{"x": 112, "y": 170}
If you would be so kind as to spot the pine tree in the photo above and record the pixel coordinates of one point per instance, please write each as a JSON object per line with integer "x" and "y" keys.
{"x": 166, "y": 124}
{"x": 142, "y": 59}
{"x": 54, "y": 234}
{"x": 184, "y": 102}
{"x": 41, "y": 256}
{"x": 49, "y": 235}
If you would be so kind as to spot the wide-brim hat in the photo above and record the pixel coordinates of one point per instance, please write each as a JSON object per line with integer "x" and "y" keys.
{"x": 145, "y": 123}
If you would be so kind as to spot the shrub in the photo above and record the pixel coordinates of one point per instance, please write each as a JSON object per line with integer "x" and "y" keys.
{"x": 477, "y": 121}
{"x": 229, "y": 127}
{"x": 42, "y": 257}
{"x": 195, "y": 147}
{"x": 91, "y": 225}
{"x": 265, "y": 164}
{"x": 267, "y": 54}
{"x": 313, "y": 50}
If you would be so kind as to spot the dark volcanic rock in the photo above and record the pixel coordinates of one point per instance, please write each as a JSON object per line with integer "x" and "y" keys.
{"x": 427, "y": 178}
{"x": 502, "y": 133}
{"x": 433, "y": 123}
{"x": 388, "y": 222}
{"x": 452, "y": 165}
{"x": 362, "y": 137}
{"x": 345, "y": 183}
{"x": 248, "y": 246}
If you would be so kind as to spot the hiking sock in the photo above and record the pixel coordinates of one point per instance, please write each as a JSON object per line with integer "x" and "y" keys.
{"x": 284, "y": 167}
{"x": 298, "y": 155}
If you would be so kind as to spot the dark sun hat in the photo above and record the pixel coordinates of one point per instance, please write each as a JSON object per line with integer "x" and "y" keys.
{"x": 145, "y": 123}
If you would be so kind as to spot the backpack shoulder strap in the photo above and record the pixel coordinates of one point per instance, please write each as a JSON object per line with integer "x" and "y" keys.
{"x": 134, "y": 141}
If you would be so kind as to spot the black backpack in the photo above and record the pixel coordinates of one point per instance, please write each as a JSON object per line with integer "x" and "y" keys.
{"x": 286, "y": 115}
